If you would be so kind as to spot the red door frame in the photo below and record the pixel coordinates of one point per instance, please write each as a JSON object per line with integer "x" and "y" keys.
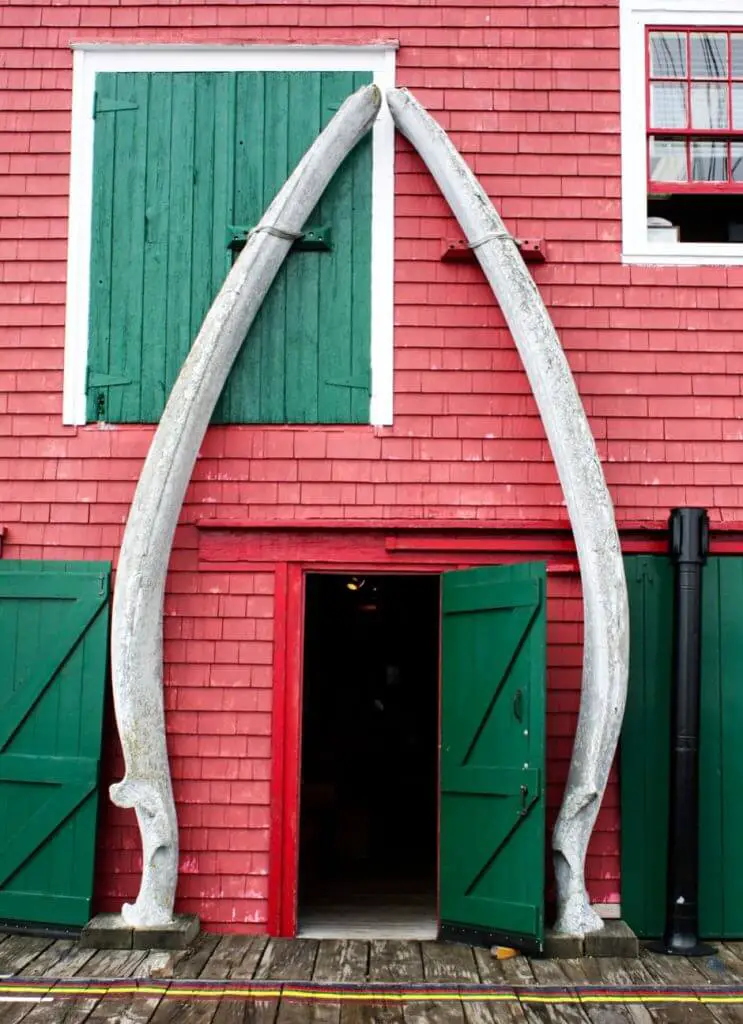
{"x": 287, "y": 727}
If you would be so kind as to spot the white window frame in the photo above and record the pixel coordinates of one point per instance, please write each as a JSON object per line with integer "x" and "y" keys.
{"x": 635, "y": 16}
{"x": 90, "y": 59}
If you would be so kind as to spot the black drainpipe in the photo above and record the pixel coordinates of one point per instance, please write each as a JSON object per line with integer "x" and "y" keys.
{"x": 689, "y": 546}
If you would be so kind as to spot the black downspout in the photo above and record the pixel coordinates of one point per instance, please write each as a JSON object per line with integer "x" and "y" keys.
{"x": 689, "y": 546}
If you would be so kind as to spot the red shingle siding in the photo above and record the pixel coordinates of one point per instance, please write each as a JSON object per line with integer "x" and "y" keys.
{"x": 529, "y": 91}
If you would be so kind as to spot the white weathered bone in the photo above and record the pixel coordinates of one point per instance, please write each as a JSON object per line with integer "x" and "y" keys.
{"x": 137, "y": 634}
{"x": 606, "y": 647}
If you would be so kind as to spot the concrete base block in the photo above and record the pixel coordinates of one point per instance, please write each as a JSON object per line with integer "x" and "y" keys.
{"x": 106, "y": 931}
{"x": 178, "y": 935}
{"x": 559, "y": 946}
{"x": 110, "y": 931}
{"x": 616, "y": 938}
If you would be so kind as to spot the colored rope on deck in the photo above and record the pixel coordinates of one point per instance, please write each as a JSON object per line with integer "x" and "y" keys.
{"x": 383, "y": 992}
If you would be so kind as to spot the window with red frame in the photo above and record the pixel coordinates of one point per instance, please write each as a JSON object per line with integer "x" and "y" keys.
{"x": 695, "y": 132}
{"x": 695, "y": 110}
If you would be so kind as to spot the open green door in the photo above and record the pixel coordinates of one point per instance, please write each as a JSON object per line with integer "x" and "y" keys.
{"x": 492, "y": 755}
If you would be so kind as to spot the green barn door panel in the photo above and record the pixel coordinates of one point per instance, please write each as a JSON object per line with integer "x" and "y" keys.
{"x": 493, "y": 755}
{"x": 54, "y": 638}
{"x": 645, "y": 748}
{"x": 179, "y": 161}
{"x": 645, "y": 745}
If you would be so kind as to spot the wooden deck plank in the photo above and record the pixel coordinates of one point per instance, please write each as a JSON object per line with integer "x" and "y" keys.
{"x": 612, "y": 971}
{"x": 48, "y": 958}
{"x": 636, "y": 972}
{"x": 490, "y": 972}
{"x": 191, "y": 962}
{"x": 442, "y": 962}
{"x": 251, "y": 958}
{"x": 393, "y": 961}
{"x": 731, "y": 953}
{"x": 343, "y": 960}
{"x": 226, "y": 957}
{"x": 449, "y": 962}
{"x": 19, "y": 951}
{"x": 548, "y": 972}
{"x": 113, "y": 963}
{"x": 288, "y": 960}
{"x": 586, "y": 971}
{"x": 698, "y": 972}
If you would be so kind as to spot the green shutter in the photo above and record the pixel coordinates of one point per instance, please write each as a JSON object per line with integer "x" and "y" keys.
{"x": 646, "y": 747}
{"x": 179, "y": 161}
{"x": 54, "y": 639}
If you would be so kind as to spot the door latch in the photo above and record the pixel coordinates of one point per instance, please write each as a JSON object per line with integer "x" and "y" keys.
{"x": 518, "y": 705}
{"x": 524, "y": 795}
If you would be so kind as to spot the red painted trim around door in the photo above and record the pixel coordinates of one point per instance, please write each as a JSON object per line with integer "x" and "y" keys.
{"x": 278, "y": 749}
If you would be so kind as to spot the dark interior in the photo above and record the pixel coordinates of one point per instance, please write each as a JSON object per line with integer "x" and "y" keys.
{"x": 702, "y": 218}
{"x": 368, "y": 819}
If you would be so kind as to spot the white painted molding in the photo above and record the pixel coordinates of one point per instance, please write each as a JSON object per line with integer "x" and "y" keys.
{"x": 89, "y": 59}
{"x": 635, "y": 16}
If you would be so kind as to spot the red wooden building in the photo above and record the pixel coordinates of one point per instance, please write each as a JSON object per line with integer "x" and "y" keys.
{"x": 378, "y": 429}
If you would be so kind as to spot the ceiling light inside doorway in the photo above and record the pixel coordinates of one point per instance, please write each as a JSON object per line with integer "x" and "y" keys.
{"x": 355, "y": 583}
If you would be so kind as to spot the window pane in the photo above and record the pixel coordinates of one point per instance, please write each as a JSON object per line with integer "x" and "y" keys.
{"x": 736, "y": 46}
{"x": 736, "y": 159}
{"x": 738, "y": 105}
{"x": 709, "y": 161}
{"x": 668, "y": 105}
{"x": 667, "y": 159}
{"x": 667, "y": 55}
{"x": 709, "y": 105}
{"x": 709, "y": 55}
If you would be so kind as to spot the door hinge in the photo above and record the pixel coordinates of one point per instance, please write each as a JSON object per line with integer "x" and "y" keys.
{"x": 104, "y": 105}
{"x": 107, "y": 380}
{"x": 360, "y": 382}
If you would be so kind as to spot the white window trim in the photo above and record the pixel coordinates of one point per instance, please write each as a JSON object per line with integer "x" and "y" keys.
{"x": 635, "y": 16}
{"x": 89, "y": 59}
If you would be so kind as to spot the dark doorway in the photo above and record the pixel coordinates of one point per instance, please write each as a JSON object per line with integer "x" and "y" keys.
{"x": 368, "y": 817}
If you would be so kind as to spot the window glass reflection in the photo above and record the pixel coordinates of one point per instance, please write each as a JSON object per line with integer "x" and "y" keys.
{"x": 667, "y": 159}
{"x": 709, "y": 55}
{"x": 667, "y": 55}
{"x": 709, "y": 160}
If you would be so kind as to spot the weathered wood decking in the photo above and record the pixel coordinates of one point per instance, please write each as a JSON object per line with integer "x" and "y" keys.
{"x": 400, "y": 963}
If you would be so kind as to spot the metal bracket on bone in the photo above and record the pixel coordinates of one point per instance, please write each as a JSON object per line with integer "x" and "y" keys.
{"x": 312, "y": 239}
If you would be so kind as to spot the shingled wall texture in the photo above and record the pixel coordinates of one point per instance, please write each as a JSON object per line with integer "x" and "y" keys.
{"x": 529, "y": 91}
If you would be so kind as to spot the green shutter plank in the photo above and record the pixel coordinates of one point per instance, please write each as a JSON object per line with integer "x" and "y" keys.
{"x": 271, "y": 368}
{"x": 303, "y": 326}
{"x": 361, "y": 295}
{"x": 153, "y": 391}
{"x": 99, "y": 337}
{"x": 645, "y": 747}
{"x": 241, "y": 397}
{"x": 178, "y": 158}
{"x": 180, "y": 238}
{"x": 54, "y": 632}
{"x": 492, "y": 824}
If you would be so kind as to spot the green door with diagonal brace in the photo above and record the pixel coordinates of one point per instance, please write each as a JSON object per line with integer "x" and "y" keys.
{"x": 54, "y": 639}
{"x": 493, "y": 755}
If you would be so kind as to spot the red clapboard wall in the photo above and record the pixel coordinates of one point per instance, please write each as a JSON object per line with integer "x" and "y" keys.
{"x": 530, "y": 93}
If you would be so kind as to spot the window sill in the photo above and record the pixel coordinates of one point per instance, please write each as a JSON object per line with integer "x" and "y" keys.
{"x": 690, "y": 254}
